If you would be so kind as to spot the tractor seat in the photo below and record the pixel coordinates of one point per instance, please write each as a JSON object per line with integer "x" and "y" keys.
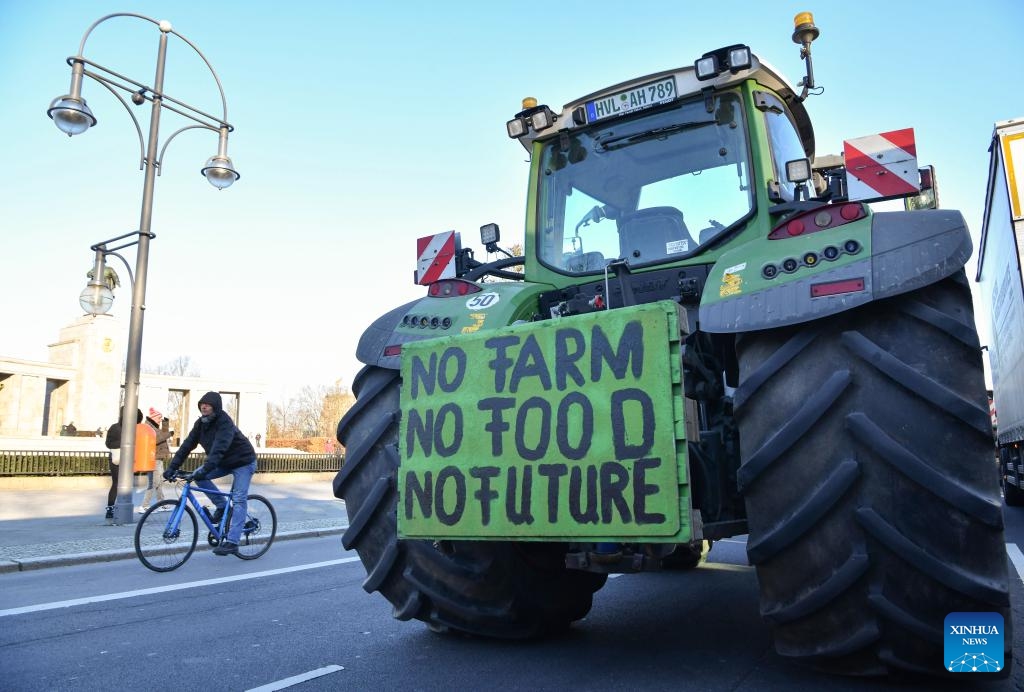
{"x": 585, "y": 262}
{"x": 651, "y": 234}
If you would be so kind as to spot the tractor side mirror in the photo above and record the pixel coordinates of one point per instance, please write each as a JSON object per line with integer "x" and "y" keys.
{"x": 928, "y": 197}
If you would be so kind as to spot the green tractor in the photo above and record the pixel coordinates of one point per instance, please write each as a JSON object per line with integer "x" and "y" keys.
{"x": 707, "y": 335}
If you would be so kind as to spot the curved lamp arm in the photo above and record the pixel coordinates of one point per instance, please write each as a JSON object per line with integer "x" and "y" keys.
{"x": 160, "y": 158}
{"x": 131, "y": 277}
{"x": 220, "y": 88}
{"x": 135, "y": 121}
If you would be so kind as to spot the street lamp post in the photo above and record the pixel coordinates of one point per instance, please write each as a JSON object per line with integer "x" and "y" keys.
{"x": 72, "y": 116}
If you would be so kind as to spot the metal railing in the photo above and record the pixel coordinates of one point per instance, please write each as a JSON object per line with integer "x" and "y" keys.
{"x": 75, "y": 463}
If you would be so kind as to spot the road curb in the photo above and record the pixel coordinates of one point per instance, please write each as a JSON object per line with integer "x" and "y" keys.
{"x": 35, "y": 563}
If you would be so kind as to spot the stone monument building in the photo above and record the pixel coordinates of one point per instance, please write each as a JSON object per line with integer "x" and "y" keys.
{"x": 82, "y": 384}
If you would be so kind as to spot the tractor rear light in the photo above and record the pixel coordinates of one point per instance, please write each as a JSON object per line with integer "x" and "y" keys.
{"x": 850, "y": 211}
{"x": 820, "y": 219}
{"x": 393, "y": 350}
{"x": 832, "y": 288}
{"x": 448, "y": 288}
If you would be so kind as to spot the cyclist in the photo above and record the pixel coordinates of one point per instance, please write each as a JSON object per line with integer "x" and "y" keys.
{"x": 228, "y": 451}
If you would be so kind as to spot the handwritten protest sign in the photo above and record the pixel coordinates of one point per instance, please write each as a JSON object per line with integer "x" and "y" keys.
{"x": 562, "y": 429}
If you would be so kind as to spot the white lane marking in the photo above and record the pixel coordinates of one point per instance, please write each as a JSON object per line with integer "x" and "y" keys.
{"x": 1017, "y": 558}
{"x": 171, "y": 587}
{"x": 296, "y": 679}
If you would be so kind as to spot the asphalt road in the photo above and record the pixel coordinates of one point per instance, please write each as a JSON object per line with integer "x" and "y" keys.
{"x": 299, "y": 619}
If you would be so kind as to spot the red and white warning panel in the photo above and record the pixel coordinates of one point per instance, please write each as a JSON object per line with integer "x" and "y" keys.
{"x": 435, "y": 257}
{"x": 882, "y": 166}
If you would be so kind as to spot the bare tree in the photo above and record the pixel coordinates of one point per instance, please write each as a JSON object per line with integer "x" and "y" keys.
{"x": 313, "y": 412}
{"x": 283, "y": 419}
{"x": 516, "y": 251}
{"x": 309, "y": 403}
{"x": 337, "y": 401}
{"x": 182, "y": 366}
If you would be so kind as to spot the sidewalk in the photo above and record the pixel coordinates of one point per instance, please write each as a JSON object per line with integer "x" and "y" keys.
{"x": 55, "y": 526}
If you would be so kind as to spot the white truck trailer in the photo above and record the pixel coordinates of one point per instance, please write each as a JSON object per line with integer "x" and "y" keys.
{"x": 1001, "y": 284}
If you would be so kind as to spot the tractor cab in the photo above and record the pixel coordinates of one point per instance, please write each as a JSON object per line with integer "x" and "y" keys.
{"x": 660, "y": 168}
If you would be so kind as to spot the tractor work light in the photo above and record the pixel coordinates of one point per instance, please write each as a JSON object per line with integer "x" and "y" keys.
{"x": 542, "y": 119}
{"x": 532, "y": 116}
{"x": 739, "y": 59}
{"x": 732, "y": 58}
{"x": 489, "y": 233}
{"x": 517, "y": 127}
{"x": 707, "y": 67}
{"x": 798, "y": 170}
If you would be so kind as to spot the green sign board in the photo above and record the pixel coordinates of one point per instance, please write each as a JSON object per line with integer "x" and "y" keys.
{"x": 567, "y": 429}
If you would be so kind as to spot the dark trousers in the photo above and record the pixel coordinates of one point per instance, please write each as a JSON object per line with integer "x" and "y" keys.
{"x": 112, "y": 493}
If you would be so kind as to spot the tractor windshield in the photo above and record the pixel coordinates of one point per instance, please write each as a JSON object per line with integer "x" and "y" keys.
{"x": 652, "y": 188}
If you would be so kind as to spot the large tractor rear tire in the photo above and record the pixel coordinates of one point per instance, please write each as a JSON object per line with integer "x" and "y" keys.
{"x": 494, "y": 589}
{"x": 872, "y": 494}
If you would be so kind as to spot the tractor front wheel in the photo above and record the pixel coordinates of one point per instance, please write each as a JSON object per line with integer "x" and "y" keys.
{"x": 507, "y": 590}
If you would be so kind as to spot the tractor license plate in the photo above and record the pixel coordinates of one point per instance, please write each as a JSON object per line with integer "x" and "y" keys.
{"x": 568, "y": 429}
{"x": 638, "y": 98}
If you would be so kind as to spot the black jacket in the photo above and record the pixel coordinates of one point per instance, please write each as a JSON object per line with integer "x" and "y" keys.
{"x": 225, "y": 445}
{"x": 113, "y": 439}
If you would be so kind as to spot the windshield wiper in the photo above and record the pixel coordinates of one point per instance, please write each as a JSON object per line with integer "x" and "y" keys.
{"x": 656, "y": 133}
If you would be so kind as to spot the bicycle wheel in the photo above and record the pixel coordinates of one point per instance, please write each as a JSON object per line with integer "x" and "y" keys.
{"x": 260, "y": 528}
{"x": 160, "y": 546}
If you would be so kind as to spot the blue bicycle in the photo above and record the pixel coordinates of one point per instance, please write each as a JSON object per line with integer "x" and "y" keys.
{"x": 165, "y": 541}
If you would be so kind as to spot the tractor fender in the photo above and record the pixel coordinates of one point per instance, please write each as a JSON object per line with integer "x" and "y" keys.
{"x": 905, "y": 251}
{"x": 494, "y": 305}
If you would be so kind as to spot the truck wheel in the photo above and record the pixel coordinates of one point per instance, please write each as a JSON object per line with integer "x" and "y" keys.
{"x": 1014, "y": 496}
{"x": 871, "y": 492}
{"x": 510, "y": 590}
{"x": 1010, "y": 456}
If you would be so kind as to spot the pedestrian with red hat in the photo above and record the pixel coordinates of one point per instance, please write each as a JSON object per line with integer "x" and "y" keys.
{"x": 156, "y": 420}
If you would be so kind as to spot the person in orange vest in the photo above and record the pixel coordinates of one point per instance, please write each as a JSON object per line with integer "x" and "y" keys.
{"x": 113, "y": 441}
{"x": 155, "y": 479}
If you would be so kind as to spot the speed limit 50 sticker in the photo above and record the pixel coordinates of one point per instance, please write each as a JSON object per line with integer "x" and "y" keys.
{"x": 482, "y": 301}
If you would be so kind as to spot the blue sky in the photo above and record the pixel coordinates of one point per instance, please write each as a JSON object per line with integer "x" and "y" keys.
{"x": 360, "y": 128}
